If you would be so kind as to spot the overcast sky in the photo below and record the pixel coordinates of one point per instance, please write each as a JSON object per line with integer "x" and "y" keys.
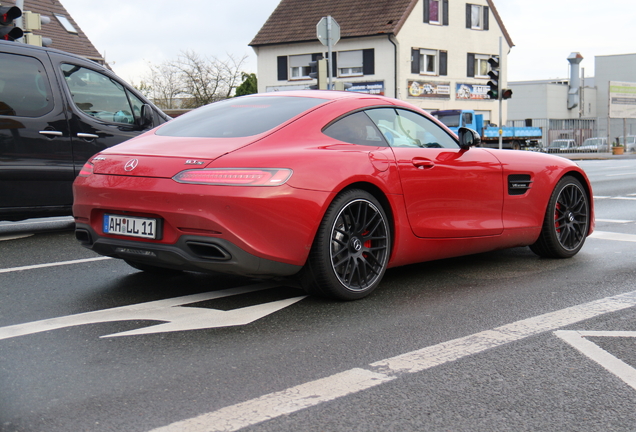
{"x": 132, "y": 33}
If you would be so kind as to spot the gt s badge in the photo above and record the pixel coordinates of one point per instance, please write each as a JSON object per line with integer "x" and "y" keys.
{"x": 193, "y": 162}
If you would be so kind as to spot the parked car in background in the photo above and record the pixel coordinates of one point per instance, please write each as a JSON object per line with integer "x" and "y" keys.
{"x": 56, "y": 111}
{"x": 330, "y": 187}
{"x": 631, "y": 142}
{"x": 561, "y": 146}
{"x": 593, "y": 145}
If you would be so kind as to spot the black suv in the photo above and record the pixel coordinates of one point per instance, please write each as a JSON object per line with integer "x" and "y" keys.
{"x": 56, "y": 111}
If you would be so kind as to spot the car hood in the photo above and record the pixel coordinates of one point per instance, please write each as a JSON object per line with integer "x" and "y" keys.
{"x": 162, "y": 156}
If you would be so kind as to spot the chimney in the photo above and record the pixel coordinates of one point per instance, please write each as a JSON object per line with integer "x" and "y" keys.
{"x": 575, "y": 81}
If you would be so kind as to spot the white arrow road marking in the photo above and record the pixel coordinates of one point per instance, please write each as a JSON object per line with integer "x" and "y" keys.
{"x": 613, "y": 236}
{"x": 176, "y": 318}
{"x": 273, "y": 405}
{"x": 613, "y": 364}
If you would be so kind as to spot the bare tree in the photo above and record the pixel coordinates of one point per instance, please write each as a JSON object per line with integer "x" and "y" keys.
{"x": 164, "y": 82}
{"x": 194, "y": 80}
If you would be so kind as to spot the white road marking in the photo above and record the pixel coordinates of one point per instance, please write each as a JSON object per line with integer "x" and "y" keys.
{"x": 60, "y": 263}
{"x": 273, "y": 405}
{"x": 625, "y": 198}
{"x": 14, "y": 236}
{"x": 284, "y": 402}
{"x": 175, "y": 318}
{"x": 604, "y": 235}
{"x": 619, "y": 221}
{"x": 619, "y": 174}
{"x": 613, "y": 364}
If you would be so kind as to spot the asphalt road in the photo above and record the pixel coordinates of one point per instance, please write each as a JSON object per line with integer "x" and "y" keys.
{"x": 492, "y": 342}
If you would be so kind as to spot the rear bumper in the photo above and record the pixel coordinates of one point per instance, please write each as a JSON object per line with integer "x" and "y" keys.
{"x": 190, "y": 252}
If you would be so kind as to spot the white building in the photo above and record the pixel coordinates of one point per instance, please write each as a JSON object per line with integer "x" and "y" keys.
{"x": 433, "y": 53}
{"x": 540, "y": 101}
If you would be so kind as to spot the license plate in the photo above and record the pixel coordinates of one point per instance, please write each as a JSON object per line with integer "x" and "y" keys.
{"x": 131, "y": 226}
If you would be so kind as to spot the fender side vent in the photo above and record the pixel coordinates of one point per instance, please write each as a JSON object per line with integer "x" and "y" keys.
{"x": 518, "y": 184}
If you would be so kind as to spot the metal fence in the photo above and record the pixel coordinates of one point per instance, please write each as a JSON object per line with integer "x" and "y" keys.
{"x": 577, "y": 135}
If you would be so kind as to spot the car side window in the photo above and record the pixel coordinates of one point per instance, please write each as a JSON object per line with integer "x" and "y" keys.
{"x": 404, "y": 128}
{"x": 356, "y": 128}
{"x": 98, "y": 95}
{"x": 24, "y": 87}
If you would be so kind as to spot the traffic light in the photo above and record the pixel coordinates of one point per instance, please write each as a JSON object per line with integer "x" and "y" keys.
{"x": 33, "y": 21}
{"x": 8, "y": 31}
{"x": 494, "y": 73}
{"x": 506, "y": 94}
{"x": 319, "y": 72}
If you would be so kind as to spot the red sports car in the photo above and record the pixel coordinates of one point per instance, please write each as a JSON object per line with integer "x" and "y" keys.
{"x": 333, "y": 187}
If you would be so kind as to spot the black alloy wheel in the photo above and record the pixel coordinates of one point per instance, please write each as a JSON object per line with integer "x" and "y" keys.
{"x": 566, "y": 222}
{"x": 351, "y": 250}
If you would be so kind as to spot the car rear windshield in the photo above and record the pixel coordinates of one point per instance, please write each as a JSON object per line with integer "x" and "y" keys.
{"x": 240, "y": 117}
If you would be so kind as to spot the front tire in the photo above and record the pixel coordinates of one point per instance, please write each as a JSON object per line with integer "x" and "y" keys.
{"x": 566, "y": 221}
{"x": 351, "y": 250}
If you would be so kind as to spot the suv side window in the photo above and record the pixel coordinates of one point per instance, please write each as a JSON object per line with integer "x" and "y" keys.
{"x": 99, "y": 96}
{"x": 24, "y": 87}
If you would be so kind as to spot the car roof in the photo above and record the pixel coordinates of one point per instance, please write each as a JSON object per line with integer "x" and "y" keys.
{"x": 27, "y": 47}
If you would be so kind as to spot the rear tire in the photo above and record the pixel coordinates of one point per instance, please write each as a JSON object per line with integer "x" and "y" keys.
{"x": 351, "y": 250}
{"x": 566, "y": 221}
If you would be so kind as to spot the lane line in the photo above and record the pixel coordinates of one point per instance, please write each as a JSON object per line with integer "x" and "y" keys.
{"x": 55, "y": 264}
{"x": 604, "y": 235}
{"x": 620, "y": 221}
{"x": 273, "y": 405}
{"x": 611, "y": 363}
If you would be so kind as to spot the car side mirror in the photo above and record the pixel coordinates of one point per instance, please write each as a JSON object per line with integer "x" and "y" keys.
{"x": 468, "y": 138}
{"x": 145, "y": 119}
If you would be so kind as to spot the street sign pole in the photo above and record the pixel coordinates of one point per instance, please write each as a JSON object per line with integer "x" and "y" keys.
{"x": 328, "y": 32}
{"x": 329, "y": 53}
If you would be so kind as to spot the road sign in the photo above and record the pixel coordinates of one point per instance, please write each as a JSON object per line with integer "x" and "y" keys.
{"x": 326, "y": 34}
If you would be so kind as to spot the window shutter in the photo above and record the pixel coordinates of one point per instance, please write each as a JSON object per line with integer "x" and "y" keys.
{"x": 468, "y": 20}
{"x": 445, "y": 12}
{"x": 427, "y": 12}
{"x": 334, "y": 66}
{"x": 485, "y": 17}
{"x": 415, "y": 61}
{"x": 443, "y": 63}
{"x": 471, "y": 65}
{"x": 368, "y": 61}
{"x": 282, "y": 68}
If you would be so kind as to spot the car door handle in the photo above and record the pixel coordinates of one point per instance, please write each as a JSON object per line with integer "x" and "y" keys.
{"x": 51, "y": 133}
{"x": 422, "y": 163}
{"x": 87, "y": 136}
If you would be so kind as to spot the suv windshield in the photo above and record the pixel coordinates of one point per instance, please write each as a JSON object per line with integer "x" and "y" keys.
{"x": 238, "y": 117}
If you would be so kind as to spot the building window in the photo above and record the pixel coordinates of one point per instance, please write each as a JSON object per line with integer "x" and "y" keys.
{"x": 428, "y": 62}
{"x": 478, "y": 65}
{"x": 66, "y": 23}
{"x": 477, "y": 17}
{"x": 350, "y": 63}
{"x": 299, "y": 66}
{"x": 436, "y": 12}
{"x": 433, "y": 11}
{"x": 482, "y": 67}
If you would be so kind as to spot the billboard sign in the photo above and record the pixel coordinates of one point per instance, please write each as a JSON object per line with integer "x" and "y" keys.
{"x": 622, "y": 99}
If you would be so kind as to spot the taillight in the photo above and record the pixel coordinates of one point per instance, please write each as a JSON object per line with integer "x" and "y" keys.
{"x": 86, "y": 170}
{"x": 235, "y": 176}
